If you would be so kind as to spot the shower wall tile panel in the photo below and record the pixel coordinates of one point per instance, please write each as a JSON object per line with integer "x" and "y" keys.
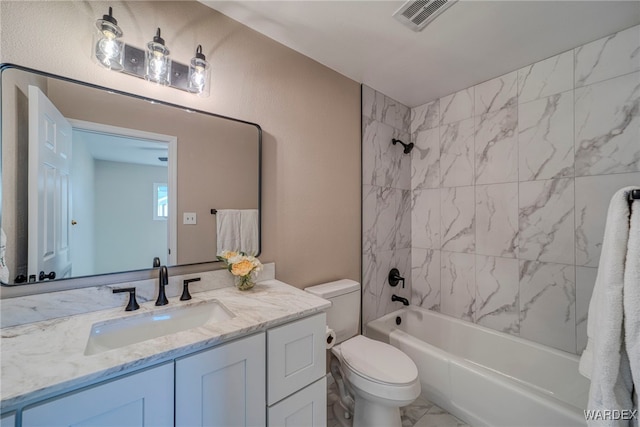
{"x": 457, "y": 154}
{"x": 545, "y": 138}
{"x": 607, "y": 126}
{"x": 593, "y": 194}
{"x": 426, "y": 116}
{"x": 527, "y": 164}
{"x": 425, "y": 159}
{"x": 608, "y": 57}
{"x": 497, "y": 219}
{"x": 547, "y": 221}
{"x": 458, "y": 285}
{"x": 496, "y": 146}
{"x": 387, "y": 200}
{"x": 545, "y": 78}
{"x": 497, "y": 293}
{"x": 457, "y": 106}
{"x": 425, "y": 278}
{"x": 547, "y": 304}
{"x": 496, "y": 94}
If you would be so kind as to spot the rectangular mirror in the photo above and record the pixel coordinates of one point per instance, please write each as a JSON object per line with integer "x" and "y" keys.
{"x": 97, "y": 181}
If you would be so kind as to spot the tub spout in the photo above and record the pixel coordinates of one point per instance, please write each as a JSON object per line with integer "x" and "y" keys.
{"x": 395, "y": 297}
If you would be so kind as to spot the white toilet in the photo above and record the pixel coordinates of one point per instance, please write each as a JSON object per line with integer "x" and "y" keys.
{"x": 374, "y": 378}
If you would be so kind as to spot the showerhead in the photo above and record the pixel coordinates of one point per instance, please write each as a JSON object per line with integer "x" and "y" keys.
{"x": 407, "y": 147}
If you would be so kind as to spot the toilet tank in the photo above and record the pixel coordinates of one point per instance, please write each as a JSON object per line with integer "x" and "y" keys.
{"x": 344, "y": 314}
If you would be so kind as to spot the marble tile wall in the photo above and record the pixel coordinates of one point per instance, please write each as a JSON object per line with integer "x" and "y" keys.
{"x": 510, "y": 183}
{"x": 386, "y": 201}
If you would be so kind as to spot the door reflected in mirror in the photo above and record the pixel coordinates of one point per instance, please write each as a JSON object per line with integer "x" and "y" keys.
{"x": 96, "y": 182}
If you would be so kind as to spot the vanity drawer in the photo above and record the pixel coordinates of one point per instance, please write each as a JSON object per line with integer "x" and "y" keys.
{"x": 295, "y": 356}
{"x": 308, "y": 407}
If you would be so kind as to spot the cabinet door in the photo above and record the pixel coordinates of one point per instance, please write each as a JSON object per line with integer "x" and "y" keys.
{"x": 296, "y": 356}
{"x": 306, "y": 408}
{"x": 224, "y": 386}
{"x": 141, "y": 399}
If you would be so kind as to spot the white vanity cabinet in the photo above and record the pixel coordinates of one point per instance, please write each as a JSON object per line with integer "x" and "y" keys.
{"x": 224, "y": 386}
{"x": 274, "y": 377}
{"x": 141, "y": 399}
{"x": 296, "y": 364}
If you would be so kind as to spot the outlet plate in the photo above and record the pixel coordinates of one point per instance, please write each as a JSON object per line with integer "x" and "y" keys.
{"x": 189, "y": 218}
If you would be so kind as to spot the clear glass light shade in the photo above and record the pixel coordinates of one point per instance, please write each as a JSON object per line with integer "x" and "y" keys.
{"x": 108, "y": 48}
{"x": 158, "y": 63}
{"x": 199, "y": 77}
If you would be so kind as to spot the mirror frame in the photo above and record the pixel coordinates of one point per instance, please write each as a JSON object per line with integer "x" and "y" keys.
{"x": 8, "y": 290}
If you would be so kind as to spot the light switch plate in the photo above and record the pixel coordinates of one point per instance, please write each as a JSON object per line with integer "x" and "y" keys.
{"x": 189, "y": 218}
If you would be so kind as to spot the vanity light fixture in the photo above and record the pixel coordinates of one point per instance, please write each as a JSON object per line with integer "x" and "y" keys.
{"x": 158, "y": 64}
{"x": 199, "y": 74}
{"x": 109, "y": 49}
{"x": 153, "y": 63}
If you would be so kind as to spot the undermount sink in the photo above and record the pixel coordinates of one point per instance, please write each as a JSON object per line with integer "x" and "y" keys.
{"x": 130, "y": 330}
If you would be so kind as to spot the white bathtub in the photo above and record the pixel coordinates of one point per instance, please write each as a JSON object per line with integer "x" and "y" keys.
{"x": 484, "y": 377}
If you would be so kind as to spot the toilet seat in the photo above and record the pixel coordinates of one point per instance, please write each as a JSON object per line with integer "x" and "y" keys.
{"x": 379, "y": 369}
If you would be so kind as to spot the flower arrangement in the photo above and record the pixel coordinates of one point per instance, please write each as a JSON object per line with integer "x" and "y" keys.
{"x": 244, "y": 267}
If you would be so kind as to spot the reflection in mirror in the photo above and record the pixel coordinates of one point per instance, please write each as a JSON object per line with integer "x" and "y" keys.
{"x": 97, "y": 182}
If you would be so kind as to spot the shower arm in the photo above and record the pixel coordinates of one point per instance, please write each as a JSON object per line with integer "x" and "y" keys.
{"x": 407, "y": 147}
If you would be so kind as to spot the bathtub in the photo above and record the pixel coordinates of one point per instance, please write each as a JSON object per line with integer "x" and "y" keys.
{"x": 484, "y": 377}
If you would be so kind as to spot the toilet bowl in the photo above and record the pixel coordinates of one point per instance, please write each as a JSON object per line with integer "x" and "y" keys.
{"x": 381, "y": 378}
{"x": 374, "y": 379}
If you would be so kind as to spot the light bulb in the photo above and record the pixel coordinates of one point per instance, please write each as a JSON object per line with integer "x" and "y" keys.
{"x": 199, "y": 74}
{"x": 108, "y": 47}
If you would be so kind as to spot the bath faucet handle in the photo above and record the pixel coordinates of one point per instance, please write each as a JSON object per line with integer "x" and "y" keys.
{"x": 133, "y": 304}
{"x": 395, "y": 278}
{"x": 185, "y": 288}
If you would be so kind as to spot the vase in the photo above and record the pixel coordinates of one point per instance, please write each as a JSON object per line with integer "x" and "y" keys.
{"x": 244, "y": 283}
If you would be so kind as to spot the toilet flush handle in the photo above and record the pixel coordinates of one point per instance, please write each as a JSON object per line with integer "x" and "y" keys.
{"x": 395, "y": 278}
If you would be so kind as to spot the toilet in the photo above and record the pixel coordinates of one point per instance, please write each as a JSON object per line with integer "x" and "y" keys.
{"x": 374, "y": 379}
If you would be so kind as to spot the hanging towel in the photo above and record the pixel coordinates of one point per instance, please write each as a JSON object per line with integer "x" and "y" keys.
{"x": 4, "y": 270}
{"x": 249, "y": 231}
{"x": 605, "y": 359}
{"x": 631, "y": 291}
{"x": 228, "y": 230}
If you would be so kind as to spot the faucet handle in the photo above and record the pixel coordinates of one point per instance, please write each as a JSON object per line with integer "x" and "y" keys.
{"x": 133, "y": 304}
{"x": 185, "y": 288}
{"x": 395, "y": 278}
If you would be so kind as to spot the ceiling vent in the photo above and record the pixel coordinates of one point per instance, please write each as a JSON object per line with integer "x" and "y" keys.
{"x": 416, "y": 14}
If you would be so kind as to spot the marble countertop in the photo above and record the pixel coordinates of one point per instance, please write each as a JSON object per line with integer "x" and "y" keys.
{"x": 47, "y": 357}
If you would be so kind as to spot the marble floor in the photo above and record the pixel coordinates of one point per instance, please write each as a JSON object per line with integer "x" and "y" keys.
{"x": 420, "y": 413}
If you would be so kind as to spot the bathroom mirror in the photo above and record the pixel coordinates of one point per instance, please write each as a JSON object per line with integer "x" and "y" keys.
{"x": 97, "y": 181}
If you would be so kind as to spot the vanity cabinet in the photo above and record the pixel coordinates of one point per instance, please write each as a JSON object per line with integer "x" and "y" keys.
{"x": 274, "y": 378}
{"x": 296, "y": 386}
{"x": 224, "y": 386}
{"x": 141, "y": 399}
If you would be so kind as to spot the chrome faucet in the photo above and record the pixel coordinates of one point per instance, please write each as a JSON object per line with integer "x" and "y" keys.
{"x": 163, "y": 280}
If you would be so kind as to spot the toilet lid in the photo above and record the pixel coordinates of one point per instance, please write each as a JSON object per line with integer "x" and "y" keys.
{"x": 378, "y": 361}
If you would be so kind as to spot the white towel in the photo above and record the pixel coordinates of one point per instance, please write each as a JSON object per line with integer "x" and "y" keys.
{"x": 4, "y": 270}
{"x": 631, "y": 303}
{"x": 249, "y": 231}
{"x": 228, "y": 230}
{"x": 605, "y": 359}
